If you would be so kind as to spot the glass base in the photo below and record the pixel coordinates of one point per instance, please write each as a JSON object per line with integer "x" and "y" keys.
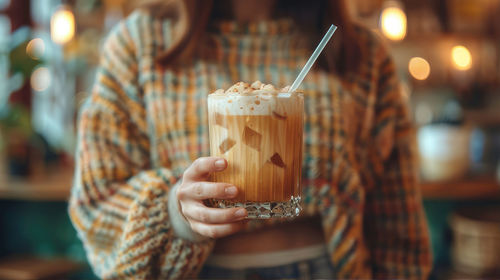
{"x": 265, "y": 210}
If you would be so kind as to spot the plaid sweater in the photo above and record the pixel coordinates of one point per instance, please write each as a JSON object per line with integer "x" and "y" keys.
{"x": 143, "y": 125}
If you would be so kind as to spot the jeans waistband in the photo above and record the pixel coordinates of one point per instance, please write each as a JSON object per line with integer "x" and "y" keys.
{"x": 316, "y": 268}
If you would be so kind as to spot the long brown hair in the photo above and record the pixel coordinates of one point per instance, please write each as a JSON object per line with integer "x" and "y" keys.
{"x": 192, "y": 17}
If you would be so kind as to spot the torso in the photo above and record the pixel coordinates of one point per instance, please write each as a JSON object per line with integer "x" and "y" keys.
{"x": 302, "y": 232}
{"x": 180, "y": 128}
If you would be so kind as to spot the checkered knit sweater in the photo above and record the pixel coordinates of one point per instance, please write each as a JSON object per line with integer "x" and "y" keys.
{"x": 143, "y": 125}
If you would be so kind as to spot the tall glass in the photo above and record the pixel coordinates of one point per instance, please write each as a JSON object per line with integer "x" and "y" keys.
{"x": 260, "y": 135}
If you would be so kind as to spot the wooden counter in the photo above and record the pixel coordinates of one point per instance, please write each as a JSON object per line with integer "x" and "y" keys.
{"x": 475, "y": 188}
{"x": 53, "y": 186}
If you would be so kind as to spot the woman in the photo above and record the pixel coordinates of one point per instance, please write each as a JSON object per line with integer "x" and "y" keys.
{"x": 142, "y": 164}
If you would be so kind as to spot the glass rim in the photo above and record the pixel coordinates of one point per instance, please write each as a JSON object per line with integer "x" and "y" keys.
{"x": 280, "y": 94}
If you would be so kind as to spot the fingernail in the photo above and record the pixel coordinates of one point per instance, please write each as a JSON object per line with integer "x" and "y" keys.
{"x": 220, "y": 164}
{"x": 231, "y": 191}
{"x": 240, "y": 213}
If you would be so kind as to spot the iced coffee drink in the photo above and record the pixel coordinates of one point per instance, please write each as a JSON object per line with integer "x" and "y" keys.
{"x": 258, "y": 130}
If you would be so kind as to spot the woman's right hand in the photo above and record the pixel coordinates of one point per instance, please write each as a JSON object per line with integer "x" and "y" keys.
{"x": 207, "y": 221}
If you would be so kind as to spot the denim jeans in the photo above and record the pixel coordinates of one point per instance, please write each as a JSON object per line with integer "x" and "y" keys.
{"x": 317, "y": 268}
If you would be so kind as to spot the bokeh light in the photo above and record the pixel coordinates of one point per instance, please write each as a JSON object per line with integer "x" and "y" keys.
{"x": 4, "y": 4}
{"x": 62, "y": 26}
{"x": 419, "y": 68}
{"x": 5, "y": 26}
{"x": 393, "y": 23}
{"x": 423, "y": 114}
{"x": 461, "y": 57}
{"x": 40, "y": 79}
{"x": 35, "y": 48}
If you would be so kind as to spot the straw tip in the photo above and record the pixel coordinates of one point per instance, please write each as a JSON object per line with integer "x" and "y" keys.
{"x": 313, "y": 57}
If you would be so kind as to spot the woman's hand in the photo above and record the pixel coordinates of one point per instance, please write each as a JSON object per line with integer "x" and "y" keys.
{"x": 210, "y": 222}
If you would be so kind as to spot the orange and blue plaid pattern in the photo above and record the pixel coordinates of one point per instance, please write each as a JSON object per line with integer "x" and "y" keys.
{"x": 144, "y": 124}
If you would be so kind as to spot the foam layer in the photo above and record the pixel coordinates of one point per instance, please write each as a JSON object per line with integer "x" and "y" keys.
{"x": 256, "y": 88}
{"x": 255, "y": 99}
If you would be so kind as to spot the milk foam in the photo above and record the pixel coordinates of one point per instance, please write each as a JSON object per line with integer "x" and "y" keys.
{"x": 256, "y": 99}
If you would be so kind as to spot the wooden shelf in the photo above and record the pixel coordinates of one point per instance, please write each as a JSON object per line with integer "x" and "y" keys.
{"x": 31, "y": 268}
{"x": 466, "y": 189}
{"x": 54, "y": 186}
{"x": 483, "y": 117}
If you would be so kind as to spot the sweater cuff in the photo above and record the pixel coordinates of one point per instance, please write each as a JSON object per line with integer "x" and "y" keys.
{"x": 179, "y": 223}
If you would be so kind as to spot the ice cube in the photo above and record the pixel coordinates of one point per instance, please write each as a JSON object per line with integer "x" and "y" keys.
{"x": 252, "y": 138}
{"x": 226, "y": 145}
{"x": 277, "y": 160}
{"x": 220, "y": 120}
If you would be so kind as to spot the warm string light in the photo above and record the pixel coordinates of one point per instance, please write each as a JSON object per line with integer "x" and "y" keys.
{"x": 461, "y": 58}
{"x": 62, "y": 26}
{"x": 393, "y": 23}
{"x": 419, "y": 68}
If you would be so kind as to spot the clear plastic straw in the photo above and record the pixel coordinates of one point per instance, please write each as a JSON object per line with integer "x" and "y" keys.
{"x": 313, "y": 58}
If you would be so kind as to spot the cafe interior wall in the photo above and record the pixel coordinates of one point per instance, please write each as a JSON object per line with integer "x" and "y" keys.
{"x": 47, "y": 81}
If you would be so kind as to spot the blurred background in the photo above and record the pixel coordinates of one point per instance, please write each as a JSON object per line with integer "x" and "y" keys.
{"x": 448, "y": 57}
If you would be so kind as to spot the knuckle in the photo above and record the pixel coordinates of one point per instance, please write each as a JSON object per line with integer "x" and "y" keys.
{"x": 185, "y": 214}
{"x": 179, "y": 194}
{"x": 211, "y": 232}
{"x": 184, "y": 209}
{"x": 200, "y": 161}
{"x": 196, "y": 162}
{"x": 198, "y": 166}
{"x": 194, "y": 227}
{"x": 198, "y": 189}
{"x": 185, "y": 174}
{"x": 203, "y": 216}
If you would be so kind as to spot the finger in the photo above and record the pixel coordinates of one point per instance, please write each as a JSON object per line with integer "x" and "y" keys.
{"x": 206, "y": 190}
{"x": 202, "y": 167}
{"x": 200, "y": 213}
{"x": 217, "y": 231}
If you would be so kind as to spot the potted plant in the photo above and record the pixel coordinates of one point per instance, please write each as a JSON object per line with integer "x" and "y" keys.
{"x": 16, "y": 132}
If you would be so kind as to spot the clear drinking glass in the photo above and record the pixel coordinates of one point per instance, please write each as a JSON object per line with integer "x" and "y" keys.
{"x": 260, "y": 135}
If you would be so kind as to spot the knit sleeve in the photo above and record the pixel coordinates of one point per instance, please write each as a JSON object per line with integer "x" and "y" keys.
{"x": 395, "y": 225}
{"x": 119, "y": 202}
